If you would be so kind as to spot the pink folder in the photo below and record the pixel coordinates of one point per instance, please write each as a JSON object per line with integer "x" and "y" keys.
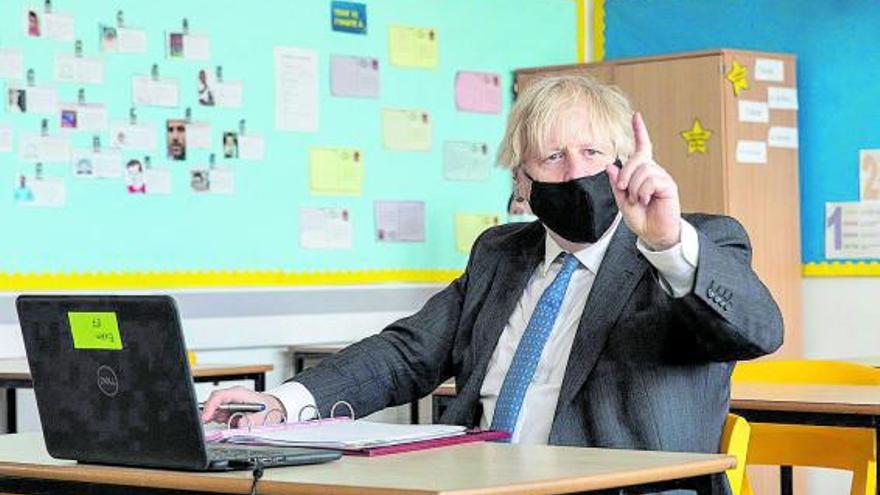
{"x": 475, "y": 435}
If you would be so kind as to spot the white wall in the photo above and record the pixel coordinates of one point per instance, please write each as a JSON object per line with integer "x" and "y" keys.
{"x": 841, "y": 318}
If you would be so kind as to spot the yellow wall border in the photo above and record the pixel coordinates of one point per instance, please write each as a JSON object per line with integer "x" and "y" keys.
{"x": 197, "y": 279}
{"x": 598, "y": 30}
{"x": 581, "y": 30}
{"x": 842, "y": 269}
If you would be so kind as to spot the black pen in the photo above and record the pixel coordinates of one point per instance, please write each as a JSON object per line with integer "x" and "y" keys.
{"x": 234, "y": 407}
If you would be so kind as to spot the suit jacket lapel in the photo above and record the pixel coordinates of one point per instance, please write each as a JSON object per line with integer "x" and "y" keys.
{"x": 619, "y": 273}
{"x": 511, "y": 276}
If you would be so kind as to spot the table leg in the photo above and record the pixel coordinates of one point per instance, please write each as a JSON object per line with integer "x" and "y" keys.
{"x": 876, "y": 448}
{"x": 786, "y": 480}
{"x": 299, "y": 363}
{"x": 260, "y": 382}
{"x": 11, "y": 412}
{"x": 414, "y": 412}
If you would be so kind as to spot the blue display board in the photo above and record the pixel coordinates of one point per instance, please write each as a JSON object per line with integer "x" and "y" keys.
{"x": 103, "y": 228}
{"x": 838, "y": 72}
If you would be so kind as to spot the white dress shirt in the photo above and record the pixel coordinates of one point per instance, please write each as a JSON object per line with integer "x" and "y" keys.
{"x": 676, "y": 267}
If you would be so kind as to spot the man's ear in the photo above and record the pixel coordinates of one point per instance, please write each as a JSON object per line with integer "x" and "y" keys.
{"x": 519, "y": 184}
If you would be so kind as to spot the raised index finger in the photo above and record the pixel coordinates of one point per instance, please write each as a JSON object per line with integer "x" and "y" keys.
{"x": 640, "y": 133}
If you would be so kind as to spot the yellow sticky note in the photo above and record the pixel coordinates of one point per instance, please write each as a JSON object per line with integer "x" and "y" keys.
{"x": 406, "y": 130}
{"x": 336, "y": 171}
{"x": 468, "y": 226}
{"x": 410, "y": 46}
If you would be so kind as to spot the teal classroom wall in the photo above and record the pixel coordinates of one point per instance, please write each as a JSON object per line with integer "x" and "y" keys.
{"x": 103, "y": 228}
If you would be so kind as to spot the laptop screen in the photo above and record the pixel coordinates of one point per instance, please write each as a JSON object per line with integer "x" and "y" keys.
{"x": 112, "y": 380}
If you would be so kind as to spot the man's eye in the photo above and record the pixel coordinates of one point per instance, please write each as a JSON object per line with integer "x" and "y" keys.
{"x": 554, "y": 157}
{"x": 592, "y": 152}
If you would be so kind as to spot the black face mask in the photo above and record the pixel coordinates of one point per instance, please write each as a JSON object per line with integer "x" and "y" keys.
{"x": 580, "y": 210}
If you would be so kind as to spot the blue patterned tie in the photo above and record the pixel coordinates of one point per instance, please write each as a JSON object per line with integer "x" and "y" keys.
{"x": 528, "y": 352}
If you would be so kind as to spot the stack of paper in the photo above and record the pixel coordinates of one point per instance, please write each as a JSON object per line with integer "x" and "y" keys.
{"x": 343, "y": 435}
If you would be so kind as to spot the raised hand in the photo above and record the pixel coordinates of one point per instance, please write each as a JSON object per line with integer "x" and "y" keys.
{"x": 646, "y": 194}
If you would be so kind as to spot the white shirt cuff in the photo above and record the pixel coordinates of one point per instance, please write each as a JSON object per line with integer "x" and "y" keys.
{"x": 677, "y": 265}
{"x": 296, "y": 399}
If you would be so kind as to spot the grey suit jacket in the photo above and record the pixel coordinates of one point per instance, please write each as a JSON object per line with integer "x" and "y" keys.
{"x": 646, "y": 371}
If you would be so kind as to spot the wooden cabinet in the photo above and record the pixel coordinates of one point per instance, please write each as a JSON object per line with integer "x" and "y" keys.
{"x": 674, "y": 91}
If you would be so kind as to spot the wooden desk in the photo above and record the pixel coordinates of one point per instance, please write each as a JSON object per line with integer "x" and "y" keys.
{"x": 855, "y": 406}
{"x": 15, "y": 374}
{"x": 299, "y": 354}
{"x": 827, "y": 405}
{"x": 485, "y": 468}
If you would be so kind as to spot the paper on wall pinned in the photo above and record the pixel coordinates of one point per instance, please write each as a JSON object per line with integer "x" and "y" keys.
{"x": 779, "y": 98}
{"x": 751, "y": 151}
{"x": 768, "y": 69}
{"x": 296, "y": 89}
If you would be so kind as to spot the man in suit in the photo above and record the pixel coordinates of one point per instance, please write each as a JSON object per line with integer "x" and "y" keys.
{"x": 613, "y": 321}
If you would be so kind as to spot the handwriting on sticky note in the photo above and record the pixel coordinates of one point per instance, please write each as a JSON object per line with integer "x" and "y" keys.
{"x": 95, "y": 330}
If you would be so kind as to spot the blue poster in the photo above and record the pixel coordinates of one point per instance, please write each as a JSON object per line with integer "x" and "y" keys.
{"x": 349, "y": 17}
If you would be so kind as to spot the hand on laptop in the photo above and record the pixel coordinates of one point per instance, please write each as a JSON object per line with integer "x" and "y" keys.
{"x": 274, "y": 412}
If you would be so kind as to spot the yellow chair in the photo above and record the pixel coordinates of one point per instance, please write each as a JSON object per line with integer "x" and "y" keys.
{"x": 851, "y": 449}
{"x": 735, "y": 442}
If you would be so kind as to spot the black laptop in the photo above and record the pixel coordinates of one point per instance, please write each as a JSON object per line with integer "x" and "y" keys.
{"x": 113, "y": 386}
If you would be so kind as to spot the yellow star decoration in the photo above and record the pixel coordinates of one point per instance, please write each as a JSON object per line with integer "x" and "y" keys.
{"x": 739, "y": 77}
{"x": 696, "y": 137}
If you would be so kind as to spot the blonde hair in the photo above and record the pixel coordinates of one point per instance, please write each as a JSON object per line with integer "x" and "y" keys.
{"x": 538, "y": 112}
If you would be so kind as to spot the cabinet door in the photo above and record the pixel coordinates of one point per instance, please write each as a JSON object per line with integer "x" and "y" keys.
{"x": 672, "y": 95}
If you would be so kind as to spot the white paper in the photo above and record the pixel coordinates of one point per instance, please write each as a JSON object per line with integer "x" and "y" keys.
{"x": 196, "y": 47}
{"x": 48, "y": 192}
{"x": 400, "y": 221}
{"x": 42, "y": 100}
{"x": 11, "y": 64}
{"x": 91, "y": 117}
{"x": 222, "y": 180}
{"x": 131, "y": 40}
{"x": 6, "y": 135}
{"x": 325, "y": 228}
{"x": 751, "y": 151}
{"x": 251, "y": 147}
{"x": 229, "y": 94}
{"x": 467, "y": 161}
{"x": 71, "y": 69}
{"x": 782, "y": 137}
{"x": 768, "y": 69}
{"x": 354, "y": 76}
{"x": 137, "y": 137}
{"x": 161, "y": 93}
{"x": 296, "y": 89}
{"x": 355, "y": 434}
{"x": 59, "y": 27}
{"x": 47, "y": 149}
{"x": 104, "y": 164}
{"x": 198, "y": 135}
{"x": 753, "y": 111}
{"x": 158, "y": 180}
{"x": 779, "y": 98}
{"x": 852, "y": 230}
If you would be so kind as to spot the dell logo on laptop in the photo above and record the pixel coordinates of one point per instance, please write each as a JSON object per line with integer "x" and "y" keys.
{"x": 108, "y": 384}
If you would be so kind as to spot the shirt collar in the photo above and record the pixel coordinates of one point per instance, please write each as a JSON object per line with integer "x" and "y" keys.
{"x": 590, "y": 257}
